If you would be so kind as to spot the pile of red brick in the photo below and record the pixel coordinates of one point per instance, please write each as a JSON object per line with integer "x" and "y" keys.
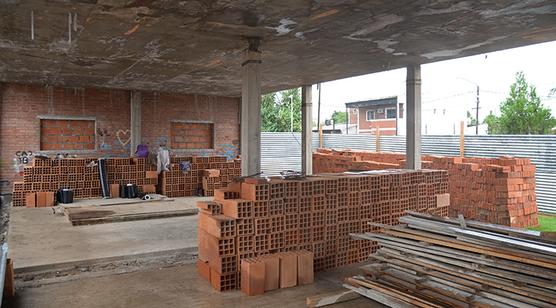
{"x": 178, "y": 183}
{"x": 316, "y": 214}
{"x": 47, "y": 175}
{"x": 495, "y": 190}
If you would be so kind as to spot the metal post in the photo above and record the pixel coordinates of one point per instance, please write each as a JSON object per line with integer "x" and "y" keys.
{"x": 477, "y": 114}
{"x": 291, "y": 113}
{"x": 413, "y": 117}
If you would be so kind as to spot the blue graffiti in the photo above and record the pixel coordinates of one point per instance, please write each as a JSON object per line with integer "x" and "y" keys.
{"x": 229, "y": 150}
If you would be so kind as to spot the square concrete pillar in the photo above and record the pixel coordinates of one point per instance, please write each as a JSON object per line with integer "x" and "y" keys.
{"x": 413, "y": 117}
{"x": 306, "y": 130}
{"x": 135, "y": 126}
{"x": 251, "y": 113}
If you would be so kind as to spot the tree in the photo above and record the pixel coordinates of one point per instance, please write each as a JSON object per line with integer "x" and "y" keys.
{"x": 339, "y": 117}
{"x": 471, "y": 121}
{"x": 279, "y": 108}
{"x": 522, "y": 112}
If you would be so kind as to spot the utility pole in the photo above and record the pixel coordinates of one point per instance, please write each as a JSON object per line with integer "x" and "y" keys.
{"x": 477, "y": 113}
{"x": 478, "y": 103}
{"x": 318, "y": 108}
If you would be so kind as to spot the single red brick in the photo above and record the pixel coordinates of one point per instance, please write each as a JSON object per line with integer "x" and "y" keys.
{"x": 288, "y": 269}
{"x": 305, "y": 270}
{"x": 272, "y": 272}
{"x": 203, "y": 269}
{"x": 252, "y": 276}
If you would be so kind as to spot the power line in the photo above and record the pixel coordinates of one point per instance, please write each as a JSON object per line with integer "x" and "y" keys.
{"x": 446, "y": 97}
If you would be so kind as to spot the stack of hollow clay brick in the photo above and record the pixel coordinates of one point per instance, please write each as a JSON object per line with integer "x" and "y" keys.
{"x": 317, "y": 214}
{"x": 277, "y": 270}
{"x": 47, "y": 175}
{"x": 495, "y": 190}
{"x": 183, "y": 183}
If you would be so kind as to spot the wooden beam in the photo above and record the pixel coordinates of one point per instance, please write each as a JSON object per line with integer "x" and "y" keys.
{"x": 461, "y": 139}
{"x": 321, "y": 144}
{"x": 377, "y": 140}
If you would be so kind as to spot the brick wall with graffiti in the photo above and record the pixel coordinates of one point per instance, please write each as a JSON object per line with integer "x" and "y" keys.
{"x": 96, "y": 123}
{"x": 29, "y": 112}
{"x": 160, "y": 110}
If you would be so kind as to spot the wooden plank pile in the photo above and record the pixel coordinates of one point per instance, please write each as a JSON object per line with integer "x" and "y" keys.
{"x": 437, "y": 262}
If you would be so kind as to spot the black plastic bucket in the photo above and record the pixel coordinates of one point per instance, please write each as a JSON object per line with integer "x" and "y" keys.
{"x": 65, "y": 195}
{"x": 128, "y": 191}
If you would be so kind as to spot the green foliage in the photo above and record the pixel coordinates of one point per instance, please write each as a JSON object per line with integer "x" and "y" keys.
{"x": 522, "y": 112}
{"x": 339, "y": 117}
{"x": 277, "y": 110}
{"x": 471, "y": 121}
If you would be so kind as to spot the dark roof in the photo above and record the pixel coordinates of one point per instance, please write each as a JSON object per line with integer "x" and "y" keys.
{"x": 393, "y": 100}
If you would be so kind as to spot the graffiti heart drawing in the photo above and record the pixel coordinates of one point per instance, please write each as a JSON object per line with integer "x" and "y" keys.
{"x": 124, "y": 136}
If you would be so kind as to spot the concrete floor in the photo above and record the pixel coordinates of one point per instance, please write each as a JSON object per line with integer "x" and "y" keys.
{"x": 173, "y": 287}
{"x": 38, "y": 237}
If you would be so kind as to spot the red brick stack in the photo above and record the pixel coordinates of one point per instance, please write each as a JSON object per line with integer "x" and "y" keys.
{"x": 178, "y": 183}
{"x": 495, "y": 190}
{"x": 130, "y": 171}
{"x": 47, "y": 175}
{"x": 500, "y": 191}
{"x": 316, "y": 214}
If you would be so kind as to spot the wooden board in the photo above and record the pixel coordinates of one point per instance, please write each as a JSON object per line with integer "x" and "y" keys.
{"x": 88, "y": 215}
{"x": 9, "y": 285}
{"x": 331, "y": 298}
{"x": 449, "y": 262}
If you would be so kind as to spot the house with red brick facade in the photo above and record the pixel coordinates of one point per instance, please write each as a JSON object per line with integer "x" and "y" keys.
{"x": 377, "y": 114}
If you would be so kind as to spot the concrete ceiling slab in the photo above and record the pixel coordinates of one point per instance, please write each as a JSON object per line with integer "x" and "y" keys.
{"x": 196, "y": 46}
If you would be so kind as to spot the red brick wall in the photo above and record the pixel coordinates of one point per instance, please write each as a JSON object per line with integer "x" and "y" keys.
{"x": 158, "y": 110}
{"x": 191, "y": 135}
{"x": 20, "y": 124}
{"x": 387, "y": 126}
{"x": 63, "y": 135}
{"x": 23, "y": 106}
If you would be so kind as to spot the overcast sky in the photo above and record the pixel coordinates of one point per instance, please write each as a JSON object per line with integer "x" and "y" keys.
{"x": 449, "y": 87}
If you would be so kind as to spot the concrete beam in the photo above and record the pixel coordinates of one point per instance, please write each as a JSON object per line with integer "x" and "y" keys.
{"x": 136, "y": 100}
{"x": 251, "y": 112}
{"x": 306, "y": 130}
{"x": 413, "y": 117}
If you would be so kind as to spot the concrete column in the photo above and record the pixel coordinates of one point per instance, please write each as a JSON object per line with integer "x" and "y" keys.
{"x": 251, "y": 111}
{"x": 413, "y": 117}
{"x": 136, "y": 100}
{"x": 306, "y": 130}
